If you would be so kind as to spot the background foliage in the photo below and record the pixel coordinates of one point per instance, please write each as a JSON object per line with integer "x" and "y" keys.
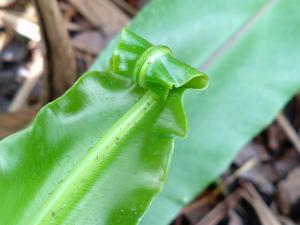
{"x": 249, "y": 50}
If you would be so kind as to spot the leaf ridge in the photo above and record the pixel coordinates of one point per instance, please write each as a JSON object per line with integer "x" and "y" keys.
{"x": 56, "y": 208}
{"x": 234, "y": 37}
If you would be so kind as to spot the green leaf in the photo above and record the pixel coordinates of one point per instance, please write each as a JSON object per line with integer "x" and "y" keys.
{"x": 136, "y": 58}
{"x": 250, "y": 49}
{"x": 99, "y": 153}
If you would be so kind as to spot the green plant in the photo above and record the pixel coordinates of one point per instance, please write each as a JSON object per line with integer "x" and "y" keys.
{"x": 250, "y": 50}
{"x": 98, "y": 154}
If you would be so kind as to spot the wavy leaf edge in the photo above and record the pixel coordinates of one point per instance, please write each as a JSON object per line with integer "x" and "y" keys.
{"x": 148, "y": 61}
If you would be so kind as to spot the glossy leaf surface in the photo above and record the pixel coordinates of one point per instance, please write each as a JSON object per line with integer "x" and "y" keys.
{"x": 253, "y": 75}
{"x": 98, "y": 154}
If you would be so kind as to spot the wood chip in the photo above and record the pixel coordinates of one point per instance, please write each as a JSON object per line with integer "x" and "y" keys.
{"x": 289, "y": 192}
{"x": 287, "y": 161}
{"x": 234, "y": 218}
{"x": 89, "y": 41}
{"x": 219, "y": 212}
{"x": 260, "y": 175}
{"x": 102, "y": 14}
{"x": 289, "y": 130}
{"x": 265, "y": 215}
{"x": 248, "y": 152}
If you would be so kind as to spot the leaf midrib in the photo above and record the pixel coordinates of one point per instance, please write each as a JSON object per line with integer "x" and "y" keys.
{"x": 235, "y": 36}
{"x": 58, "y": 205}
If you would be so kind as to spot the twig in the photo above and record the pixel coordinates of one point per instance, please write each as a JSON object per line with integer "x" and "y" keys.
{"x": 60, "y": 56}
{"x": 248, "y": 165}
{"x": 236, "y": 35}
{"x": 289, "y": 130}
{"x": 265, "y": 215}
{"x": 220, "y": 188}
{"x": 286, "y": 221}
{"x": 218, "y": 213}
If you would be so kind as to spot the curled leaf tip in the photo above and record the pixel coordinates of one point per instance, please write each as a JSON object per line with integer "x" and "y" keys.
{"x": 153, "y": 66}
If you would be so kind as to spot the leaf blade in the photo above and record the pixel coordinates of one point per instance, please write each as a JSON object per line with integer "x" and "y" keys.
{"x": 261, "y": 100}
{"x": 96, "y": 154}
